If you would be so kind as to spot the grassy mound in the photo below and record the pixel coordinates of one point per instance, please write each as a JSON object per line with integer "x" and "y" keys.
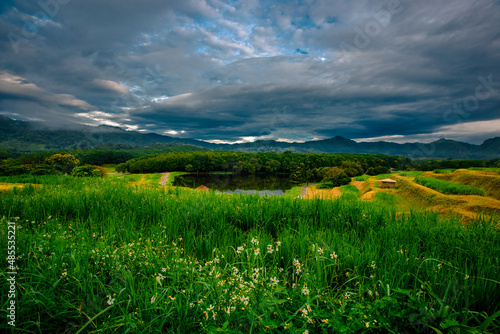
{"x": 448, "y": 187}
{"x": 489, "y": 183}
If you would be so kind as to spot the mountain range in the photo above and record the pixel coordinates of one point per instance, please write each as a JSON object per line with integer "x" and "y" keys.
{"x": 21, "y": 136}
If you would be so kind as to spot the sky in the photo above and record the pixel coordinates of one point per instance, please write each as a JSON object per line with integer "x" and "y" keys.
{"x": 239, "y": 71}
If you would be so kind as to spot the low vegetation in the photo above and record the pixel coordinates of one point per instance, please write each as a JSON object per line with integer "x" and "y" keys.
{"x": 432, "y": 164}
{"x": 350, "y": 192}
{"x": 447, "y": 187}
{"x": 443, "y": 171}
{"x": 383, "y": 176}
{"x": 361, "y": 178}
{"x": 386, "y": 198}
{"x": 411, "y": 173}
{"x": 490, "y": 183}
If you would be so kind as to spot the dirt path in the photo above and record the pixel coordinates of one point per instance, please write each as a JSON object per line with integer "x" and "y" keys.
{"x": 315, "y": 193}
{"x": 359, "y": 184}
{"x": 164, "y": 179}
{"x": 304, "y": 190}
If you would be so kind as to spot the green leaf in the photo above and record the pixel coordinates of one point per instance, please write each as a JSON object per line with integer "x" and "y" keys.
{"x": 488, "y": 321}
{"x": 436, "y": 330}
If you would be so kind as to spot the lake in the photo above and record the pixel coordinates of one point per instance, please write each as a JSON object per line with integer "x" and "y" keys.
{"x": 259, "y": 184}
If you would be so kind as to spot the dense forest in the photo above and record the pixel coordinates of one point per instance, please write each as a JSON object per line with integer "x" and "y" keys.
{"x": 105, "y": 154}
{"x": 251, "y": 163}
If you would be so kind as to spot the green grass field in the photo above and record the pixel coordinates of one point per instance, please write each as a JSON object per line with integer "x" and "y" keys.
{"x": 495, "y": 169}
{"x": 386, "y": 199}
{"x": 350, "y": 192}
{"x": 448, "y": 187}
{"x": 413, "y": 173}
{"x": 361, "y": 177}
{"x": 101, "y": 256}
{"x": 489, "y": 183}
{"x": 443, "y": 171}
{"x": 383, "y": 176}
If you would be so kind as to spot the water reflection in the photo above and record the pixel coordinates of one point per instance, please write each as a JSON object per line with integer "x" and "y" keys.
{"x": 260, "y": 184}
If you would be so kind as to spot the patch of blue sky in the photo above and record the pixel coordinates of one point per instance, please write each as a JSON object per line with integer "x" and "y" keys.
{"x": 299, "y": 54}
{"x": 225, "y": 33}
{"x": 303, "y": 22}
{"x": 202, "y": 49}
{"x": 6, "y": 5}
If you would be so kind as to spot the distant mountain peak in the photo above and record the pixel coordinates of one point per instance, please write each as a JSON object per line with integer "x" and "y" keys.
{"x": 24, "y": 136}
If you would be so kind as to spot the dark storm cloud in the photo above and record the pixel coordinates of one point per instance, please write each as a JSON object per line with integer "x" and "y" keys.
{"x": 233, "y": 70}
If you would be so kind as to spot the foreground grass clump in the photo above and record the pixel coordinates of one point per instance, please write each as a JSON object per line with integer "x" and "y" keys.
{"x": 101, "y": 256}
{"x": 448, "y": 187}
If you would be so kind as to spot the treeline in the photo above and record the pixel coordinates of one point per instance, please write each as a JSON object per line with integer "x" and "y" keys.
{"x": 171, "y": 157}
{"x": 251, "y": 163}
{"x": 106, "y": 154}
{"x": 56, "y": 164}
{"x": 60, "y": 162}
{"x": 91, "y": 157}
{"x": 454, "y": 164}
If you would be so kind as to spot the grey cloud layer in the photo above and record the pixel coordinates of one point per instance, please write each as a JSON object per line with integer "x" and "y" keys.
{"x": 263, "y": 69}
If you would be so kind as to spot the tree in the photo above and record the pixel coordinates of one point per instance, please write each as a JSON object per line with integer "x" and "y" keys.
{"x": 377, "y": 170}
{"x": 300, "y": 174}
{"x": 4, "y": 154}
{"x": 334, "y": 177}
{"x": 272, "y": 166}
{"x": 62, "y": 162}
{"x": 352, "y": 168}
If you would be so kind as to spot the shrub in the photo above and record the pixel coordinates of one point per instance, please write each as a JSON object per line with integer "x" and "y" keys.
{"x": 377, "y": 170}
{"x": 325, "y": 185}
{"x": 85, "y": 171}
{"x": 121, "y": 168}
{"x": 44, "y": 170}
{"x": 103, "y": 172}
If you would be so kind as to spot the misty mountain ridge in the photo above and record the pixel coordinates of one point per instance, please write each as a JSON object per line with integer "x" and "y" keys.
{"x": 24, "y": 136}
